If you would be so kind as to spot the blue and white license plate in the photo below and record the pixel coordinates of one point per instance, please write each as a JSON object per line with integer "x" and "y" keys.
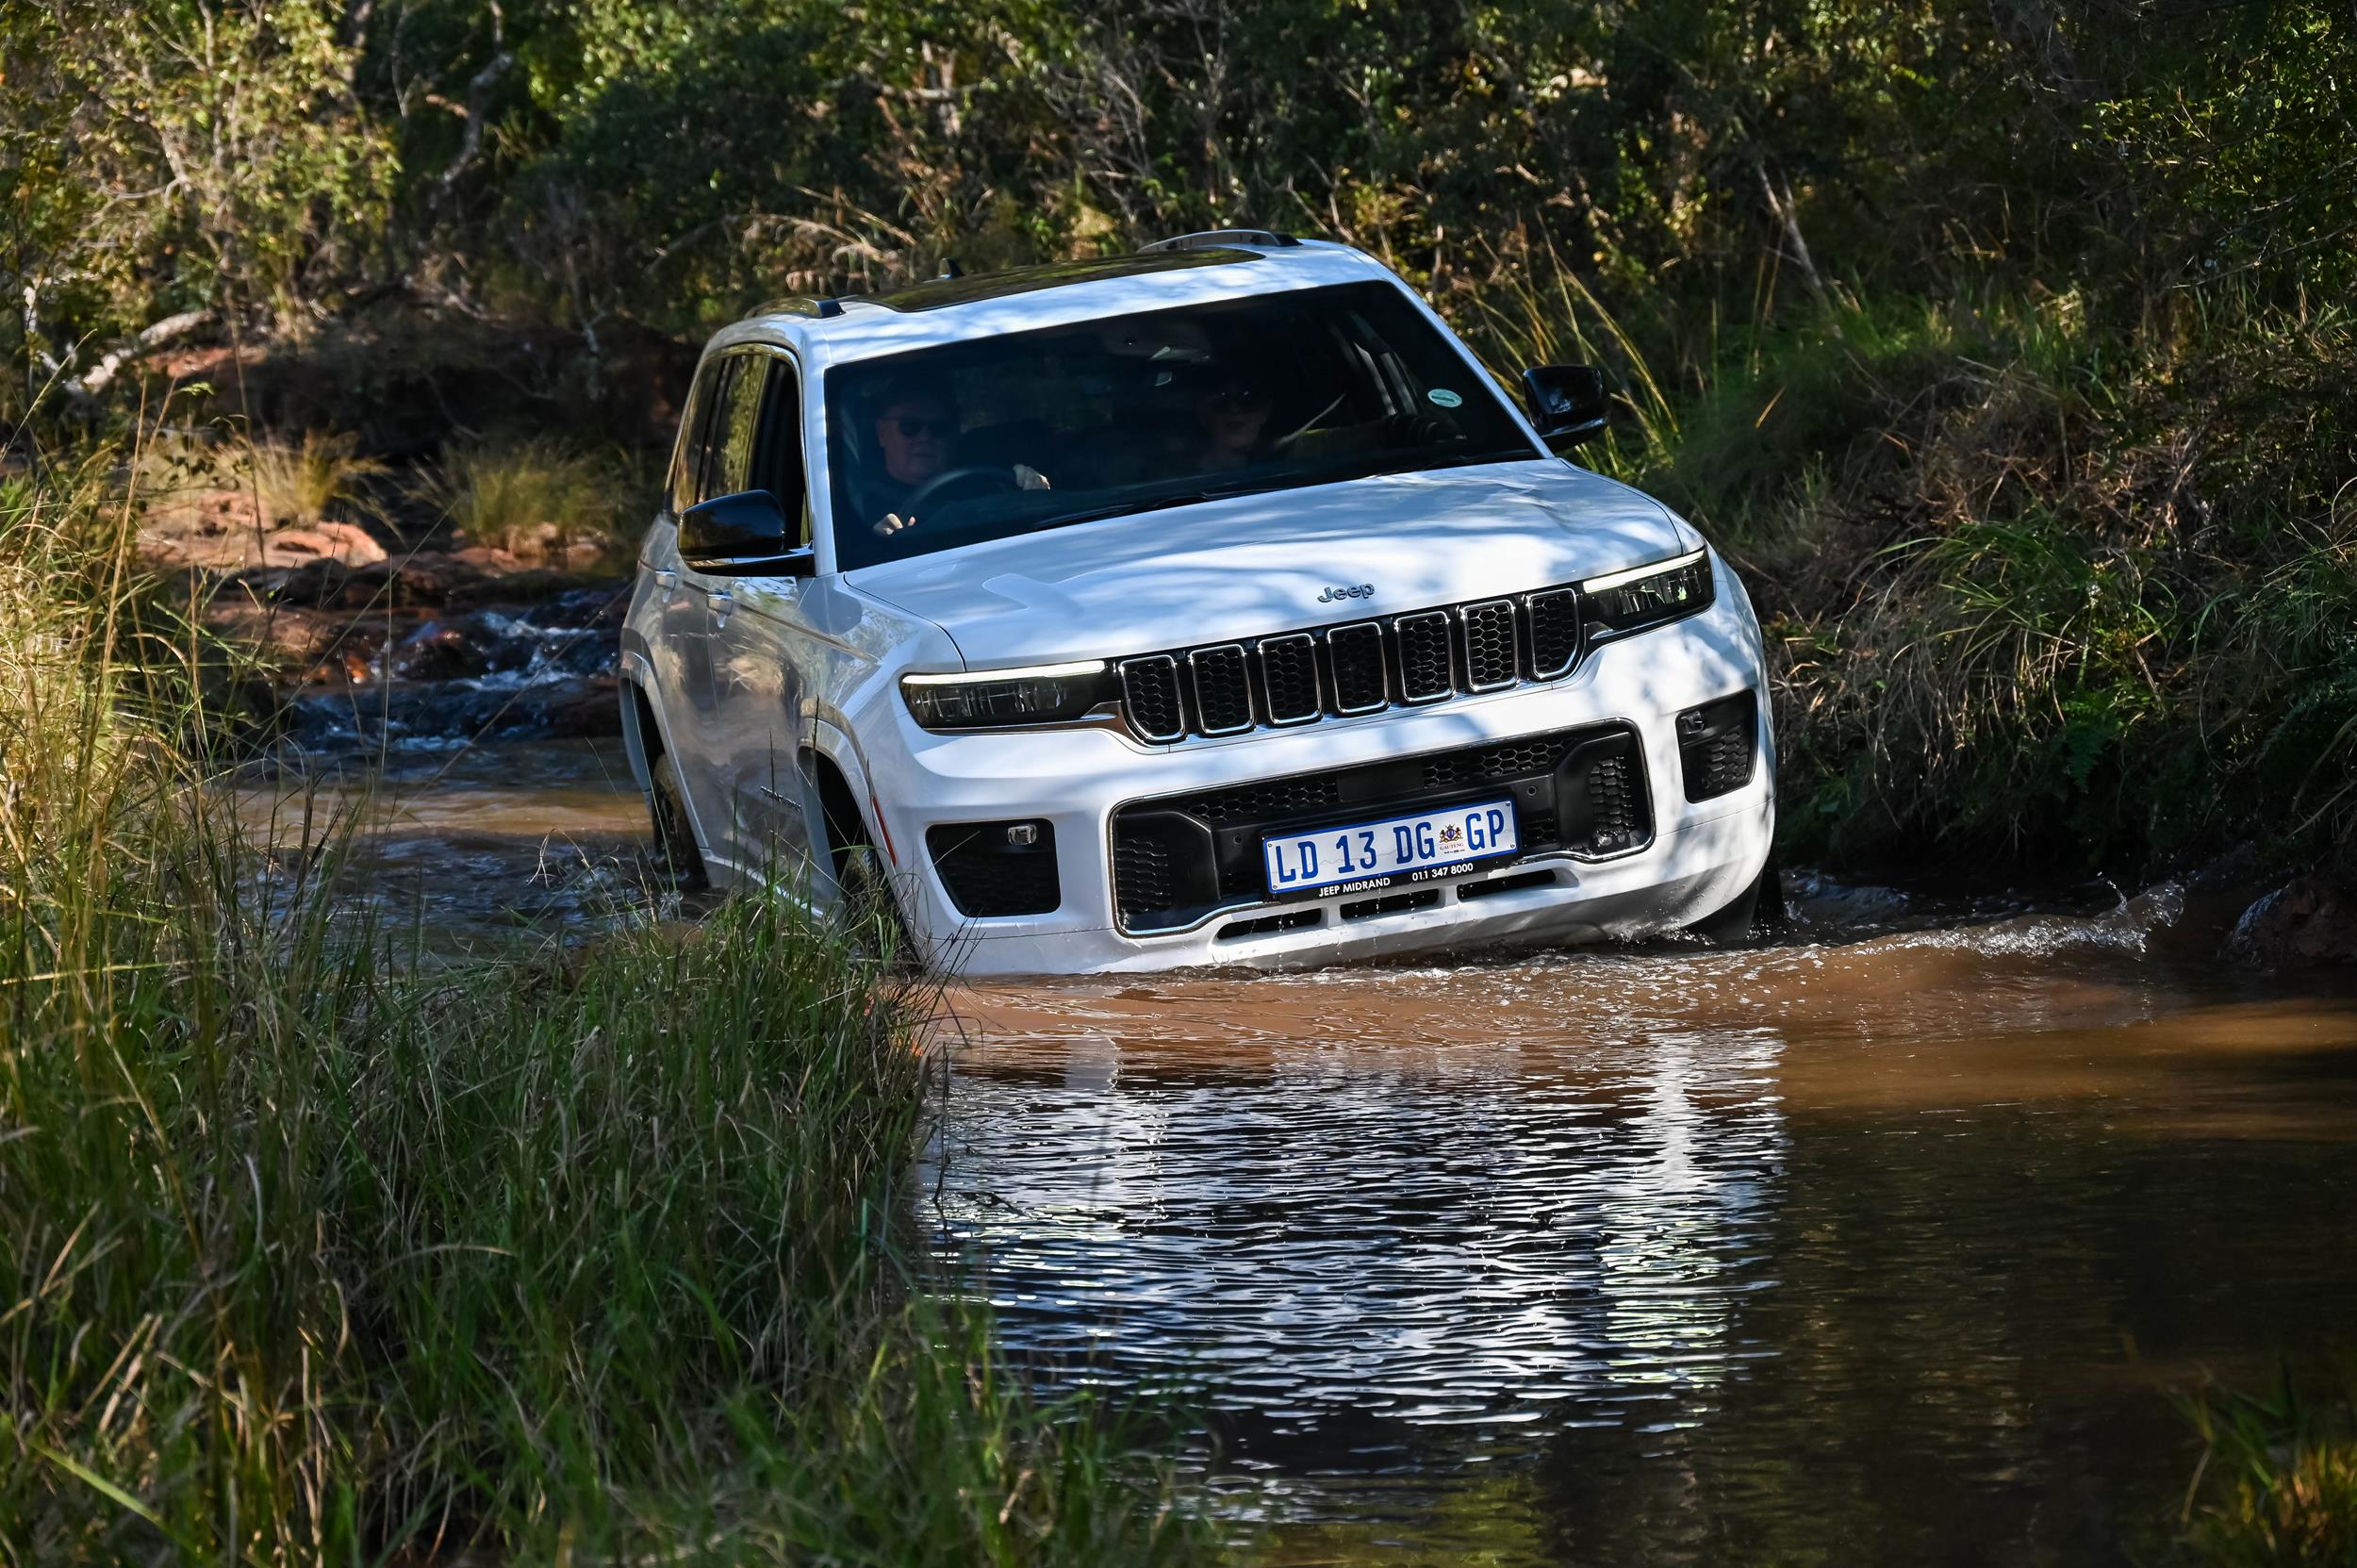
{"x": 1380, "y": 852}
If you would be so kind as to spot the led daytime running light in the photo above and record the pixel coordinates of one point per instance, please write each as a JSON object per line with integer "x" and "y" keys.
{"x": 1645, "y": 597}
{"x": 1006, "y": 698}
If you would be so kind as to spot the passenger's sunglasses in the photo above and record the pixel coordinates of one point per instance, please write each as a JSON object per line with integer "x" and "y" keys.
{"x": 912, "y": 426}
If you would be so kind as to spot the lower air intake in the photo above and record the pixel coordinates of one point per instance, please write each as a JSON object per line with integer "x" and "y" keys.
{"x": 997, "y": 869}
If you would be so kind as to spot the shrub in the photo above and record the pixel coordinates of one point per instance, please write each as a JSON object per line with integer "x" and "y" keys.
{"x": 536, "y": 498}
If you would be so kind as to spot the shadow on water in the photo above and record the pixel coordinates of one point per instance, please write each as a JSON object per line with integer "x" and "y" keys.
{"x": 1884, "y": 1242}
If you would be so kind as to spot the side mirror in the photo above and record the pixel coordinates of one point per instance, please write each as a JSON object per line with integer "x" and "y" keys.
{"x": 743, "y": 535}
{"x": 1567, "y": 403}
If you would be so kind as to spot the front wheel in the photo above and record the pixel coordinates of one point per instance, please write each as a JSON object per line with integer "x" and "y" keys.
{"x": 676, "y": 857}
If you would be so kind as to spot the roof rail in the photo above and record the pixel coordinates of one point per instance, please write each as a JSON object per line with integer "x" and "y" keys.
{"x": 800, "y": 305}
{"x": 1214, "y": 238}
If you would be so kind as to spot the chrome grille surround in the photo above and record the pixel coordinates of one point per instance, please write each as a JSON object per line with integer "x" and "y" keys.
{"x": 1288, "y": 666}
{"x": 1492, "y": 645}
{"x": 1149, "y": 686}
{"x": 1551, "y": 619}
{"x": 1362, "y": 667}
{"x": 1226, "y": 708}
{"x": 1369, "y": 635}
{"x": 1423, "y": 638}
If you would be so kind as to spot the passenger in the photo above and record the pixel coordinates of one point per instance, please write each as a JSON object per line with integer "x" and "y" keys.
{"x": 914, "y": 429}
{"x": 1230, "y": 416}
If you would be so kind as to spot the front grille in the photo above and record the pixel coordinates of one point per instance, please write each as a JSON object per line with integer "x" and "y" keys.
{"x": 1491, "y": 663}
{"x": 997, "y": 869}
{"x": 1361, "y": 682}
{"x": 1424, "y": 662}
{"x": 1301, "y": 677}
{"x": 1223, "y": 689}
{"x": 1553, "y": 628}
{"x": 1289, "y": 678}
{"x": 1149, "y": 690}
{"x": 1179, "y": 858}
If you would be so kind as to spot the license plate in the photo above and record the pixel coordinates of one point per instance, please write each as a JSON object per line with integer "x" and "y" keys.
{"x": 1380, "y": 852}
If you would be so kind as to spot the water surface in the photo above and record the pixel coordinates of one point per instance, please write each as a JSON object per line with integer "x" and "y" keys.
{"x": 1884, "y": 1242}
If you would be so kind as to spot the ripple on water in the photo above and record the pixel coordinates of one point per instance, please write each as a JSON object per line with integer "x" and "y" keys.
{"x": 1905, "y": 1188}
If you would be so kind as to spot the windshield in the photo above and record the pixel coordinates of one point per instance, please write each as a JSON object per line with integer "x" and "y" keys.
{"x": 1008, "y": 434}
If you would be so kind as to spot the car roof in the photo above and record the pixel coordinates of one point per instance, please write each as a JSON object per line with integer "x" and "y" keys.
{"x": 955, "y": 309}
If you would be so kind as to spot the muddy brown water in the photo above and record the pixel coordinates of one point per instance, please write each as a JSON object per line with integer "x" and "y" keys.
{"x": 1889, "y": 1241}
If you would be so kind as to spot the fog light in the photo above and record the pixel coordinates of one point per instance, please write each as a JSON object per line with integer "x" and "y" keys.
{"x": 1717, "y": 743}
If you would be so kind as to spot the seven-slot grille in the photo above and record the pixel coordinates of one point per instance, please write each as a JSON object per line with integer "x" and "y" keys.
{"x": 1299, "y": 677}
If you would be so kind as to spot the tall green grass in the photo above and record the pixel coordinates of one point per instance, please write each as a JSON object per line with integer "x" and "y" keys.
{"x": 2277, "y": 1483}
{"x": 2043, "y": 579}
{"x": 305, "y": 1256}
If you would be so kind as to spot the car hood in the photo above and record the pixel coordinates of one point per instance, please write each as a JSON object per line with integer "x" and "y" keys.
{"x": 1261, "y": 563}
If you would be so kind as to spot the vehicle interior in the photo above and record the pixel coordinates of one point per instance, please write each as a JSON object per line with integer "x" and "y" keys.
{"x": 1133, "y": 412}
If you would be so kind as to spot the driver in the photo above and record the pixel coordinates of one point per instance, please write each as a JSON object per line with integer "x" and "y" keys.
{"x": 916, "y": 427}
{"x": 1230, "y": 417}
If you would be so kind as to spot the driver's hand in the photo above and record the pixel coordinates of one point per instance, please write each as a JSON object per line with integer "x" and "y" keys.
{"x": 893, "y": 523}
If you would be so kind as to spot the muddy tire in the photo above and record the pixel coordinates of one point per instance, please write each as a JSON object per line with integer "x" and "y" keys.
{"x": 1757, "y": 908}
{"x": 676, "y": 858}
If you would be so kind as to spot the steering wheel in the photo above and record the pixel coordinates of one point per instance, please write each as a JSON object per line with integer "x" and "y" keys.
{"x": 989, "y": 478}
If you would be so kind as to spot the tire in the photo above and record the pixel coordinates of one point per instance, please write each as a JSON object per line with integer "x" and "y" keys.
{"x": 1757, "y": 908}
{"x": 677, "y": 860}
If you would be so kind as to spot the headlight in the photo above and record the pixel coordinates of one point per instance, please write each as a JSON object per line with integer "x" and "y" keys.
{"x": 1005, "y": 699}
{"x": 1645, "y": 597}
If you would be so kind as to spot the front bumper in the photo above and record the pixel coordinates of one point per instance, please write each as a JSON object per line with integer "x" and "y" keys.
{"x": 1695, "y": 858}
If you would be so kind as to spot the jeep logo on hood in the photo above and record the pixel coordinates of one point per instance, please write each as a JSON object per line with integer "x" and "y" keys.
{"x": 1357, "y": 590}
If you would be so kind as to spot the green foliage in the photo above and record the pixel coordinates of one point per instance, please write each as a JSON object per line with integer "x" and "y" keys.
{"x": 535, "y": 497}
{"x": 297, "y": 482}
{"x": 2005, "y": 341}
{"x": 312, "y": 1256}
{"x": 2277, "y": 1485}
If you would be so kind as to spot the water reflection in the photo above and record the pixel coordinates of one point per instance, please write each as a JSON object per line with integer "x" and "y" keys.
{"x": 1875, "y": 1246}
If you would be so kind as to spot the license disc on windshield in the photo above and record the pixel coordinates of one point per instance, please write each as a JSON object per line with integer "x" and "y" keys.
{"x": 1376, "y": 853}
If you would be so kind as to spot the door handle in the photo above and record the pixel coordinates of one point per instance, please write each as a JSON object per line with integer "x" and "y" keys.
{"x": 666, "y": 579}
{"x": 721, "y": 602}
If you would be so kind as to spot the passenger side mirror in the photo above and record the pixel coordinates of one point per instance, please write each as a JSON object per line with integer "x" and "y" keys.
{"x": 743, "y": 535}
{"x": 1567, "y": 403}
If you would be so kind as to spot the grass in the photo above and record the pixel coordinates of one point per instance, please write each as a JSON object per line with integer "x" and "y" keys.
{"x": 299, "y": 482}
{"x": 2276, "y": 1484}
{"x": 600, "y": 1253}
{"x": 536, "y": 498}
{"x": 2045, "y": 582}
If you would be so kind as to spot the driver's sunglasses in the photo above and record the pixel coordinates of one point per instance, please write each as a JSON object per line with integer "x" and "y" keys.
{"x": 914, "y": 425}
{"x": 1237, "y": 400}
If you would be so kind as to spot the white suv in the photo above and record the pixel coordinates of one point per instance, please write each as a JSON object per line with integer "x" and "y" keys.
{"x": 1205, "y": 605}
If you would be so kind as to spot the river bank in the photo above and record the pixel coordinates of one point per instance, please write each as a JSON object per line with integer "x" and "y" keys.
{"x": 320, "y": 1252}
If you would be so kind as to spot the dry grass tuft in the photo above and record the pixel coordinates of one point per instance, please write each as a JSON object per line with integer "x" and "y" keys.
{"x": 538, "y": 499}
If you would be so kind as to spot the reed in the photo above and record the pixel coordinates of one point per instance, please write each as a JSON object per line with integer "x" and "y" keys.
{"x": 312, "y": 1255}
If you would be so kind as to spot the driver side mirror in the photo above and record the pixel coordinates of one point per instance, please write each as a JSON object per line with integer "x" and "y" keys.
{"x": 1567, "y": 403}
{"x": 743, "y": 535}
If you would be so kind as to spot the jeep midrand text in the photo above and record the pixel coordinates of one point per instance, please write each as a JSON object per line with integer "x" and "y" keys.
{"x": 1206, "y": 605}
